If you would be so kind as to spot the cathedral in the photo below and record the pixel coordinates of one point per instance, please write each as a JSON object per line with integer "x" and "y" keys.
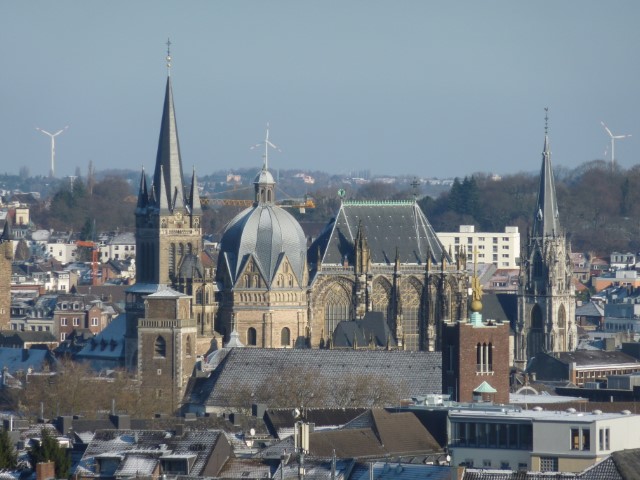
{"x": 270, "y": 289}
{"x": 546, "y": 294}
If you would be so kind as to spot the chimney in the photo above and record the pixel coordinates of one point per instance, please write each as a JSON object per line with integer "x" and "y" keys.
{"x": 45, "y": 471}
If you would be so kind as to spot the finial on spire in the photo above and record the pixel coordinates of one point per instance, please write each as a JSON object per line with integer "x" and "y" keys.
{"x": 168, "y": 57}
{"x": 546, "y": 120}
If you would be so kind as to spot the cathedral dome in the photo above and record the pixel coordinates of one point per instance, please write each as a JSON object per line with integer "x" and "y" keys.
{"x": 267, "y": 232}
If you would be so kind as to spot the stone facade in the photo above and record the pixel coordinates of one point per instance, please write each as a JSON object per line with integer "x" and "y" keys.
{"x": 6, "y": 258}
{"x": 166, "y": 346}
{"x": 546, "y": 294}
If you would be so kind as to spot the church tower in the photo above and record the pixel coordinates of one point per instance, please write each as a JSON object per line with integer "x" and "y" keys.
{"x": 6, "y": 258}
{"x": 546, "y": 294}
{"x": 168, "y": 238}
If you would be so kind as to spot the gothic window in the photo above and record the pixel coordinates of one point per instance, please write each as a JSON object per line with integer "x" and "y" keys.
{"x": 189, "y": 248}
{"x": 562, "y": 328}
{"x": 187, "y": 347}
{"x": 280, "y": 281}
{"x": 199, "y": 297}
{"x": 247, "y": 281}
{"x": 535, "y": 342}
{"x": 285, "y": 337}
{"x": 290, "y": 280}
{"x": 207, "y": 296}
{"x": 381, "y": 294}
{"x": 160, "y": 347}
{"x": 256, "y": 281}
{"x": 336, "y": 309}
{"x": 252, "y": 337}
{"x": 181, "y": 250}
{"x": 538, "y": 267}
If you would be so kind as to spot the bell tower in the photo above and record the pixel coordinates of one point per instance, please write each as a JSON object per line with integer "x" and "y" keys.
{"x": 546, "y": 294}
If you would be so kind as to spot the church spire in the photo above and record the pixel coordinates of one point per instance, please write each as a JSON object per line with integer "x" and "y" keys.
{"x": 194, "y": 197}
{"x": 168, "y": 158}
{"x": 545, "y": 221}
{"x": 143, "y": 194}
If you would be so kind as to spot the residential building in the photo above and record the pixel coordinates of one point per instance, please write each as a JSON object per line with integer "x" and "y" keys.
{"x": 582, "y": 367}
{"x": 538, "y": 440}
{"x": 119, "y": 247}
{"x": 502, "y": 249}
{"x": 623, "y": 261}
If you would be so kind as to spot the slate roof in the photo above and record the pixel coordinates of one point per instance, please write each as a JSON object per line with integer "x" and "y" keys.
{"x": 280, "y": 420}
{"x": 386, "y": 434}
{"x": 403, "y": 471}
{"x": 138, "y": 447}
{"x": 419, "y": 373}
{"x": 19, "y": 359}
{"x": 267, "y": 233}
{"x": 590, "y": 309}
{"x": 546, "y": 217}
{"x": 372, "y": 328}
{"x": 595, "y": 357}
{"x": 387, "y": 226}
{"x": 106, "y": 349}
{"x": 500, "y": 306}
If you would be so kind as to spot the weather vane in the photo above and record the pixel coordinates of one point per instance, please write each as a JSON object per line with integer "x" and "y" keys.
{"x": 168, "y": 56}
{"x": 546, "y": 120}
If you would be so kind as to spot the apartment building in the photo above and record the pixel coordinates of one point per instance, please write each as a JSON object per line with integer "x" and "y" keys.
{"x": 500, "y": 249}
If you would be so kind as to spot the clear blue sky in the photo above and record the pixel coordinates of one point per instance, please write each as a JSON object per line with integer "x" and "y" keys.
{"x": 431, "y": 88}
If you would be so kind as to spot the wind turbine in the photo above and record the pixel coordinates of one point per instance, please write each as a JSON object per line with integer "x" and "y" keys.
{"x": 613, "y": 142}
{"x": 53, "y": 147}
{"x": 266, "y": 144}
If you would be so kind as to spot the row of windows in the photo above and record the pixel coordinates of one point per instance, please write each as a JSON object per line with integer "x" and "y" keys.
{"x": 76, "y": 322}
{"x": 481, "y": 239}
{"x": 285, "y": 337}
{"x": 492, "y": 435}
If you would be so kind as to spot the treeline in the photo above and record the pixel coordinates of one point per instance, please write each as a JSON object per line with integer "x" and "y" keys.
{"x": 89, "y": 208}
{"x": 599, "y": 206}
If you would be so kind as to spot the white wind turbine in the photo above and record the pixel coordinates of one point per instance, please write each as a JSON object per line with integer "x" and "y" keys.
{"x": 613, "y": 142}
{"x": 266, "y": 144}
{"x": 53, "y": 147}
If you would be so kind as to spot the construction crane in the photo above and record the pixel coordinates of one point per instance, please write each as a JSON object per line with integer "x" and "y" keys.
{"x": 94, "y": 259}
{"x": 301, "y": 204}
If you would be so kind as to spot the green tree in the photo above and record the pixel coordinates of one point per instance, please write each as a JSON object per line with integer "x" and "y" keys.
{"x": 48, "y": 450}
{"x": 8, "y": 455}
{"x": 22, "y": 251}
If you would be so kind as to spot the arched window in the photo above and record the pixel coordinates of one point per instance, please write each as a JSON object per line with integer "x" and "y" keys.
{"x": 160, "y": 347}
{"x": 535, "y": 343}
{"x": 290, "y": 278}
{"x": 252, "y": 337}
{"x": 187, "y": 346}
{"x": 247, "y": 281}
{"x": 336, "y": 310}
{"x": 285, "y": 337}
{"x": 199, "y": 297}
{"x": 189, "y": 248}
{"x": 181, "y": 250}
{"x": 538, "y": 267}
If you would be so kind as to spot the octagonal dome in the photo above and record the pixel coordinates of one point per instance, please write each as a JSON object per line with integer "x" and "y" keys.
{"x": 267, "y": 232}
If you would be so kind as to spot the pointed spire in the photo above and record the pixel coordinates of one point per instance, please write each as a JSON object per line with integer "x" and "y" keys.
{"x": 143, "y": 194}
{"x": 194, "y": 196}
{"x": 168, "y": 158}
{"x": 6, "y": 231}
{"x": 545, "y": 220}
{"x": 163, "y": 200}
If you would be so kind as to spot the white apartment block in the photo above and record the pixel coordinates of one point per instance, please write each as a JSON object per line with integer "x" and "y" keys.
{"x": 62, "y": 252}
{"x": 538, "y": 440}
{"x": 120, "y": 247}
{"x": 500, "y": 249}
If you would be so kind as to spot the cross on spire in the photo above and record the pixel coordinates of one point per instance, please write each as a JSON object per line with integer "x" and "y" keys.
{"x": 168, "y": 56}
{"x": 546, "y": 120}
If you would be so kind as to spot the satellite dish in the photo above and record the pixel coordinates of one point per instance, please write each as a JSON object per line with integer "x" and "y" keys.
{"x": 252, "y": 432}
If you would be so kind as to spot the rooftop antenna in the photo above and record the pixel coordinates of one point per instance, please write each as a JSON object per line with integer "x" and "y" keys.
{"x": 53, "y": 147}
{"x": 266, "y": 144}
{"x": 613, "y": 142}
